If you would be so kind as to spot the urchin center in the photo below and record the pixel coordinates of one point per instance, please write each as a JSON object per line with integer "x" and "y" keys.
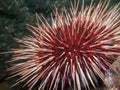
{"x": 74, "y": 50}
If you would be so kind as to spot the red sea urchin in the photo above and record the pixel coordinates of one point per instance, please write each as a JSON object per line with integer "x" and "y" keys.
{"x": 72, "y": 50}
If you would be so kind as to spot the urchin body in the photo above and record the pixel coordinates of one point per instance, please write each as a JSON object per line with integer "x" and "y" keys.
{"x": 72, "y": 50}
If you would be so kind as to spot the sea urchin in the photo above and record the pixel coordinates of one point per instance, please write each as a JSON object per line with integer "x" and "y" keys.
{"x": 75, "y": 48}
